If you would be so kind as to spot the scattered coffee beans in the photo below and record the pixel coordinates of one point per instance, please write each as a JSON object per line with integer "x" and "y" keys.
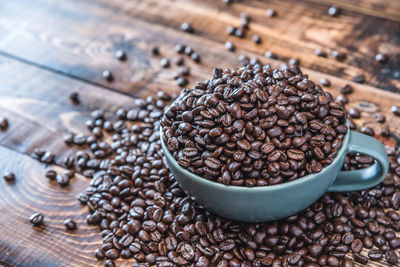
{"x": 338, "y": 55}
{"x": 346, "y": 89}
{"x": 230, "y": 30}
{"x": 354, "y": 113}
{"x": 256, "y": 39}
{"x": 74, "y": 97}
{"x": 342, "y": 99}
{"x": 269, "y": 54}
{"x": 36, "y": 219}
{"x": 164, "y": 62}
{"x": 236, "y": 129}
{"x": 179, "y": 48}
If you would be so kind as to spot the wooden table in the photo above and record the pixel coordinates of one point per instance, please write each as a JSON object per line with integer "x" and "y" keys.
{"x": 49, "y": 49}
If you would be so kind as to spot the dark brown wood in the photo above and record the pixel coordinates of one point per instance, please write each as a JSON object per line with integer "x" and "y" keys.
{"x": 93, "y": 30}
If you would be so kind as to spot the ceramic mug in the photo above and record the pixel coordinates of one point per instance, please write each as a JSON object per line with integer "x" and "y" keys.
{"x": 268, "y": 203}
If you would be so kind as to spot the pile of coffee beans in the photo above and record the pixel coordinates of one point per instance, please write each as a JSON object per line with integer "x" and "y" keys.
{"x": 254, "y": 126}
{"x": 144, "y": 215}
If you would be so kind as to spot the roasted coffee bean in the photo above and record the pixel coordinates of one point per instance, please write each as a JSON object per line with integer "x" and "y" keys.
{"x": 36, "y": 219}
{"x": 3, "y": 124}
{"x": 325, "y": 82}
{"x": 164, "y": 63}
{"x": 70, "y": 224}
{"x": 333, "y": 11}
{"x": 155, "y": 51}
{"x": 187, "y": 27}
{"x": 74, "y": 97}
{"x": 271, "y": 12}
{"x": 230, "y": 46}
{"x": 375, "y": 254}
{"x": 380, "y": 117}
{"x": 395, "y": 110}
{"x": 62, "y": 179}
{"x": 256, "y": 39}
{"x": 107, "y": 75}
{"x": 359, "y": 78}
{"x": 354, "y": 113}
{"x": 320, "y": 53}
{"x": 230, "y": 30}
{"x": 391, "y": 257}
{"x": 179, "y": 48}
{"x": 109, "y": 263}
{"x": 338, "y": 55}
{"x": 269, "y": 54}
{"x": 120, "y": 55}
{"x": 9, "y": 177}
{"x": 360, "y": 258}
{"x": 381, "y": 58}
{"x": 367, "y": 130}
{"x": 346, "y": 89}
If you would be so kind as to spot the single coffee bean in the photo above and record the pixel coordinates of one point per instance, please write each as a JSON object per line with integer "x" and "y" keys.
{"x": 230, "y": 30}
{"x": 391, "y": 257}
{"x": 320, "y": 53}
{"x": 187, "y": 27}
{"x": 271, "y": 13}
{"x": 367, "y": 130}
{"x": 395, "y": 110}
{"x": 375, "y": 254}
{"x": 109, "y": 263}
{"x": 3, "y": 124}
{"x": 380, "y": 117}
{"x": 164, "y": 63}
{"x": 359, "y": 78}
{"x": 256, "y": 39}
{"x": 354, "y": 113}
{"x": 74, "y": 97}
{"x": 107, "y": 75}
{"x": 120, "y": 55}
{"x": 346, "y": 89}
{"x": 333, "y": 11}
{"x": 360, "y": 258}
{"x": 155, "y": 51}
{"x": 36, "y": 219}
{"x": 70, "y": 224}
{"x": 325, "y": 82}
{"x": 338, "y": 55}
{"x": 9, "y": 177}
{"x": 381, "y": 58}
{"x": 230, "y": 46}
{"x": 179, "y": 48}
{"x": 62, "y": 180}
{"x": 269, "y": 54}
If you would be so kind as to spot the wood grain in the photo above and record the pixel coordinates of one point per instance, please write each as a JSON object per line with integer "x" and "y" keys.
{"x": 93, "y": 30}
{"x": 53, "y": 48}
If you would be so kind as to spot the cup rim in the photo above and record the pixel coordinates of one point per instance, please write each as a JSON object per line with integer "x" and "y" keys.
{"x": 238, "y": 188}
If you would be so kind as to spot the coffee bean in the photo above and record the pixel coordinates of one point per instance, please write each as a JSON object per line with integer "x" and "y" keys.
{"x": 359, "y": 78}
{"x": 380, "y": 117}
{"x": 195, "y": 57}
{"x": 36, "y": 219}
{"x": 107, "y": 75}
{"x": 360, "y": 258}
{"x": 338, "y": 55}
{"x": 164, "y": 63}
{"x": 333, "y": 11}
{"x": 367, "y": 130}
{"x": 346, "y": 89}
{"x": 357, "y": 245}
{"x": 395, "y": 110}
{"x": 395, "y": 243}
{"x": 239, "y": 33}
{"x": 181, "y": 81}
{"x": 342, "y": 99}
{"x": 325, "y": 82}
{"x": 187, "y": 27}
{"x": 70, "y": 224}
{"x": 375, "y": 255}
{"x": 320, "y": 53}
{"x": 179, "y": 48}
{"x": 121, "y": 55}
{"x": 391, "y": 257}
{"x": 269, "y": 54}
{"x": 230, "y": 30}
{"x": 109, "y": 263}
{"x": 271, "y": 13}
{"x": 381, "y": 58}
{"x": 9, "y": 177}
{"x": 74, "y": 97}
{"x": 354, "y": 113}
{"x": 62, "y": 180}
{"x": 256, "y": 39}
{"x": 3, "y": 124}
{"x": 230, "y": 46}
{"x": 155, "y": 51}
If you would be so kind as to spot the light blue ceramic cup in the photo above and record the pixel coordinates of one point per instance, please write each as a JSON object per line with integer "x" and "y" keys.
{"x": 268, "y": 203}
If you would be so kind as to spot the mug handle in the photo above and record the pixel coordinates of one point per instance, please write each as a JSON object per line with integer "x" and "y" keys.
{"x": 363, "y": 178}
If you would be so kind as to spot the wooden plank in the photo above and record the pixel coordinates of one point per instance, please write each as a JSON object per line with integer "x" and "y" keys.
{"x": 93, "y": 30}
{"x": 387, "y": 9}
{"x": 297, "y": 31}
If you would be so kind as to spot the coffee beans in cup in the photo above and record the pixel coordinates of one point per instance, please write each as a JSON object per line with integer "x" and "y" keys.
{"x": 254, "y": 126}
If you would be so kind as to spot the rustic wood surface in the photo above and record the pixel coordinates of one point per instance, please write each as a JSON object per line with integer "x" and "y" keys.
{"x": 49, "y": 49}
